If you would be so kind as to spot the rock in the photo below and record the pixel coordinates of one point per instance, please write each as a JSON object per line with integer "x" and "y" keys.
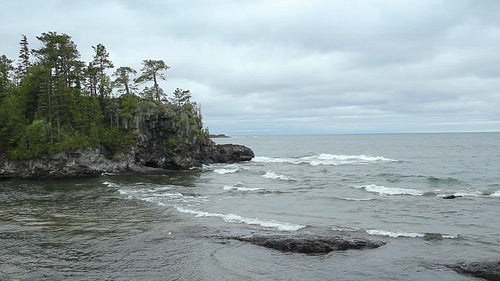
{"x": 488, "y": 270}
{"x": 230, "y": 153}
{"x": 309, "y": 244}
{"x": 452, "y": 196}
{"x": 433, "y": 236}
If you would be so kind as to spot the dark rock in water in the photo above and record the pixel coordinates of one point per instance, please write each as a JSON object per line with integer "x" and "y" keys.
{"x": 433, "y": 236}
{"x": 230, "y": 153}
{"x": 309, "y": 244}
{"x": 452, "y": 196}
{"x": 488, "y": 270}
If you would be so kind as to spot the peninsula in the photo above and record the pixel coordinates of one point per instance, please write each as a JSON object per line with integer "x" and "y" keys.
{"x": 61, "y": 117}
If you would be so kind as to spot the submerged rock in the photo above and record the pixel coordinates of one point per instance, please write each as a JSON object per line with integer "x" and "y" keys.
{"x": 433, "y": 236}
{"x": 452, "y": 196}
{"x": 488, "y": 270}
{"x": 309, "y": 244}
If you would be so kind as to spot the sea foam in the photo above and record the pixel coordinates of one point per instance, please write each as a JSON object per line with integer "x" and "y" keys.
{"x": 232, "y": 218}
{"x": 275, "y": 176}
{"x": 395, "y": 234}
{"x": 241, "y": 188}
{"x": 230, "y": 169}
{"x": 325, "y": 159}
{"x": 391, "y": 190}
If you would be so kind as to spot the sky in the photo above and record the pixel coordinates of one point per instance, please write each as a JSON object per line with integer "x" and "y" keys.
{"x": 296, "y": 66}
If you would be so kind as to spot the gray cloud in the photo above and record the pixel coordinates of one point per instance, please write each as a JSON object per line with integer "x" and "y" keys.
{"x": 298, "y": 66}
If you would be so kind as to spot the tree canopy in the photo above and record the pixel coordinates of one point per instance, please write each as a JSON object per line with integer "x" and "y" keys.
{"x": 51, "y": 100}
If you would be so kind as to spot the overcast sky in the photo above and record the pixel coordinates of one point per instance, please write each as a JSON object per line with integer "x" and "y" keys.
{"x": 295, "y": 67}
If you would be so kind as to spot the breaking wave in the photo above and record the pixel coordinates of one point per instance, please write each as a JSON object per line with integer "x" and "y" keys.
{"x": 391, "y": 190}
{"x": 325, "y": 159}
{"x": 395, "y": 234}
{"x": 232, "y": 218}
{"x": 242, "y": 188}
{"x": 275, "y": 176}
{"x": 230, "y": 169}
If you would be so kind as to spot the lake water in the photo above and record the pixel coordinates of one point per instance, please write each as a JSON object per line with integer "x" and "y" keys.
{"x": 166, "y": 226}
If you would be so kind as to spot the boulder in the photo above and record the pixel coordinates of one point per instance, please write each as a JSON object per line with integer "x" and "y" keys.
{"x": 488, "y": 270}
{"x": 308, "y": 243}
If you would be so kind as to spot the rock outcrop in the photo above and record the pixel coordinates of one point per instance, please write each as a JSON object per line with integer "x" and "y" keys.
{"x": 308, "y": 243}
{"x": 166, "y": 137}
{"x": 488, "y": 270}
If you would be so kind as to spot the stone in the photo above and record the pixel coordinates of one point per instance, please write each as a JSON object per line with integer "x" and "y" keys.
{"x": 452, "y": 196}
{"x": 488, "y": 270}
{"x": 308, "y": 243}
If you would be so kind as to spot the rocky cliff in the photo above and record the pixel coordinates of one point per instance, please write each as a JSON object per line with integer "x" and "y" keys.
{"x": 166, "y": 137}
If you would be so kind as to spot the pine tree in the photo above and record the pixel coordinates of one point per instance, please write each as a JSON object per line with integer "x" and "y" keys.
{"x": 5, "y": 73}
{"x": 123, "y": 80}
{"x": 152, "y": 72}
{"x": 181, "y": 97}
{"x": 101, "y": 63}
{"x": 24, "y": 58}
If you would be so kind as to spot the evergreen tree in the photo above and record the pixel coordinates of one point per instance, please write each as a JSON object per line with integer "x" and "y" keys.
{"x": 123, "y": 81}
{"x": 152, "y": 72}
{"x": 5, "y": 72}
{"x": 24, "y": 58}
{"x": 181, "y": 97}
{"x": 60, "y": 55}
{"x": 101, "y": 63}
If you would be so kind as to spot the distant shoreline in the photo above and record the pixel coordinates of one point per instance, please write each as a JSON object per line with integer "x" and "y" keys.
{"x": 218, "y": 136}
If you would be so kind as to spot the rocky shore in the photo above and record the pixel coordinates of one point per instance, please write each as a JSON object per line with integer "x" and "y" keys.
{"x": 163, "y": 140}
{"x": 488, "y": 270}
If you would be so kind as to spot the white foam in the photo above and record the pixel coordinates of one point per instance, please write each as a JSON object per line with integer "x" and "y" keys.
{"x": 232, "y": 218}
{"x": 275, "y": 176}
{"x": 393, "y": 234}
{"x": 230, "y": 169}
{"x": 325, "y": 159}
{"x": 110, "y": 184}
{"x": 496, "y": 193}
{"x": 396, "y": 234}
{"x": 241, "y": 188}
{"x": 356, "y": 199}
{"x": 380, "y": 189}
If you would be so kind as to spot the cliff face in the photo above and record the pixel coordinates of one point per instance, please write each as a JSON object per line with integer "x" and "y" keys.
{"x": 166, "y": 137}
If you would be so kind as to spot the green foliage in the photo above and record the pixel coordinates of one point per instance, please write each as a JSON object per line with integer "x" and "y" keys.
{"x": 56, "y": 102}
{"x": 152, "y": 72}
{"x": 12, "y": 121}
{"x": 5, "y": 72}
{"x": 33, "y": 142}
{"x": 116, "y": 140}
{"x": 173, "y": 142}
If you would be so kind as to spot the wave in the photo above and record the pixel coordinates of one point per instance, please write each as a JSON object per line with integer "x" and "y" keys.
{"x": 355, "y": 199}
{"x": 275, "y": 176}
{"x": 325, "y": 159}
{"x": 230, "y": 169}
{"x": 391, "y": 190}
{"x": 395, "y": 234}
{"x": 241, "y": 188}
{"x": 384, "y": 190}
{"x": 232, "y": 218}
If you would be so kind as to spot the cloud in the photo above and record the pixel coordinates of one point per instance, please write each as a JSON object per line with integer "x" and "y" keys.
{"x": 297, "y": 66}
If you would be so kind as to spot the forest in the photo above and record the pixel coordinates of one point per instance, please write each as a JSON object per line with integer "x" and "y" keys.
{"x": 50, "y": 100}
